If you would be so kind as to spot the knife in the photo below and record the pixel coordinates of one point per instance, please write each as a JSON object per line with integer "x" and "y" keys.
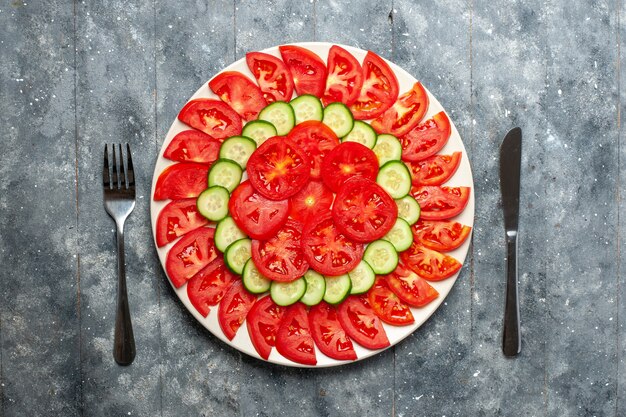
{"x": 510, "y": 164}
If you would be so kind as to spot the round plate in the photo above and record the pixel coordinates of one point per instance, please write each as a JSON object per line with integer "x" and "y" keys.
{"x": 462, "y": 177}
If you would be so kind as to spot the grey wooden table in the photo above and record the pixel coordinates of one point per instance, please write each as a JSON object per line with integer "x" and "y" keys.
{"x": 75, "y": 75}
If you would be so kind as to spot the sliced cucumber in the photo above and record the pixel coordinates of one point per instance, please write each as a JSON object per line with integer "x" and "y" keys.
{"x": 400, "y": 235}
{"x": 337, "y": 289}
{"x": 362, "y": 278}
{"x": 361, "y": 133}
{"x": 387, "y": 148}
{"x": 381, "y": 256}
{"x": 225, "y": 173}
{"x": 281, "y": 115}
{"x": 307, "y": 107}
{"x": 315, "y": 288}
{"x": 395, "y": 178}
{"x": 237, "y": 254}
{"x": 238, "y": 149}
{"x": 287, "y": 293}
{"x": 226, "y": 233}
{"x": 408, "y": 209}
{"x": 259, "y": 131}
{"x": 339, "y": 118}
{"x": 252, "y": 279}
{"x": 213, "y": 203}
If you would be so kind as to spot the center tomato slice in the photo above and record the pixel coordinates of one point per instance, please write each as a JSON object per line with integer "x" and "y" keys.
{"x": 426, "y": 139}
{"x": 434, "y": 170}
{"x": 349, "y": 159}
{"x": 182, "y": 180}
{"x": 278, "y": 168}
{"x": 316, "y": 140}
{"x": 239, "y": 92}
{"x": 345, "y": 77}
{"x": 207, "y": 287}
{"x": 328, "y": 334}
{"x": 234, "y": 308}
{"x": 380, "y": 88}
{"x": 176, "y": 219}
{"x": 213, "y": 117}
{"x": 360, "y": 323}
{"x": 293, "y": 339}
{"x": 429, "y": 264}
{"x": 257, "y": 216}
{"x": 410, "y": 287}
{"x": 313, "y": 200}
{"x": 307, "y": 69}
{"x": 262, "y": 322}
{"x": 193, "y": 146}
{"x": 272, "y": 75}
{"x": 405, "y": 113}
{"x": 387, "y": 305}
{"x": 440, "y": 203}
{"x": 442, "y": 236}
{"x": 189, "y": 255}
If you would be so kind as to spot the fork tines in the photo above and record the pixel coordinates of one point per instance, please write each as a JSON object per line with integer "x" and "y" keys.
{"x": 118, "y": 177}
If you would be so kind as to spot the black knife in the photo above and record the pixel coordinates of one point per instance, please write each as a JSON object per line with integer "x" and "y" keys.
{"x": 510, "y": 164}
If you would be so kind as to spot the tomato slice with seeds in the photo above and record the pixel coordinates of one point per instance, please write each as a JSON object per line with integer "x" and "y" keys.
{"x": 262, "y": 323}
{"x": 234, "y": 308}
{"x": 349, "y": 159}
{"x": 310, "y": 202}
{"x": 208, "y": 286}
{"x": 307, "y": 69}
{"x": 361, "y": 323}
{"x": 387, "y": 305}
{"x": 176, "y": 219}
{"x": 345, "y": 77}
{"x": 405, "y": 113}
{"x": 429, "y": 264}
{"x": 440, "y": 235}
{"x": 239, "y": 92}
{"x": 379, "y": 91}
{"x": 189, "y": 255}
{"x": 278, "y": 168}
{"x": 327, "y": 250}
{"x": 257, "y": 216}
{"x": 213, "y": 117}
{"x": 293, "y": 339}
{"x": 426, "y": 139}
{"x": 410, "y": 287}
{"x": 316, "y": 140}
{"x": 434, "y": 170}
{"x": 272, "y": 76}
{"x": 181, "y": 180}
{"x": 193, "y": 146}
{"x": 328, "y": 334}
{"x": 440, "y": 203}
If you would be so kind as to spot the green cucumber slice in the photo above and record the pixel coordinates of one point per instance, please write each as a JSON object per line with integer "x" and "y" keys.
{"x": 315, "y": 288}
{"x": 237, "y": 254}
{"x": 339, "y": 118}
{"x": 381, "y": 256}
{"x": 307, "y": 107}
{"x": 287, "y": 293}
{"x": 395, "y": 178}
{"x": 362, "y": 278}
{"x": 400, "y": 235}
{"x": 252, "y": 279}
{"x": 259, "y": 131}
{"x": 387, "y": 148}
{"x": 409, "y": 209}
{"x": 226, "y": 233}
{"x": 337, "y": 289}
{"x": 238, "y": 149}
{"x": 361, "y": 133}
{"x": 281, "y": 115}
{"x": 213, "y": 203}
{"x": 225, "y": 173}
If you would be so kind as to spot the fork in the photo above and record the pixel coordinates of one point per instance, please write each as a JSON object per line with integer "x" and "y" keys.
{"x": 119, "y": 202}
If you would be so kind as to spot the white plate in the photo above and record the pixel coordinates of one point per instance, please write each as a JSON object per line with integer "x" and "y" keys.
{"x": 463, "y": 177}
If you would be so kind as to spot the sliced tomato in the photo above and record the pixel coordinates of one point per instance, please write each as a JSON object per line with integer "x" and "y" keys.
{"x": 193, "y": 146}
{"x": 262, "y": 322}
{"x": 208, "y": 286}
{"x": 345, "y": 77}
{"x": 405, "y": 113}
{"x": 213, "y": 117}
{"x": 316, "y": 140}
{"x": 327, "y": 250}
{"x": 328, "y": 334}
{"x": 429, "y": 264}
{"x": 387, "y": 305}
{"x": 313, "y": 200}
{"x": 364, "y": 211}
{"x": 257, "y": 216}
{"x": 307, "y": 69}
{"x": 293, "y": 339}
{"x": 426, "y": 139}
{"x": 181, "y": 180}
{"x": 434, "y": 170}
{"x": 176, "y": 219}
{"x": 278, "y": 168}
{"x": 410, "y": 287}
{"x": 440, "y": 235}
{"x": 280, "y": 258}
{"x": 361, "y": 323}
{"x": 189, "y": 255}
{"x": 239, "y": 92}
{"x": 272, "y": 75}
{"x": 234, "y": 308}
{"x": 380, "y": 88}
{"x": 440, "y": 203}
{"x": 349, "y": 159}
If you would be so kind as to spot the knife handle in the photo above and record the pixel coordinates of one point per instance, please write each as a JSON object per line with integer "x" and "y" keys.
{"x": 511, "y": 337}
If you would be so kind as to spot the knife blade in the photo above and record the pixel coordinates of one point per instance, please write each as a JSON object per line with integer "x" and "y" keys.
{"x": 510, "y": 169}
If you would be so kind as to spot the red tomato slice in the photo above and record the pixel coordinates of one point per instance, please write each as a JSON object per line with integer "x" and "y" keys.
{"x": 316, "y": 140}
{"x": 360, "y": 323}
{"x": 208, "y": 286}
{"x": 387, "y": 305}
{"x": 213, "y": 117}
{"x": 345, "y": 77}
{"x": 234, "y": 308}
{"x": 193, "y": 146}
{"x": 262, "y": 322}
{"x": 182, "y": 180}
{"x": 440, "y": 203}
{"x": 176, "y": 219}
{"x": 410, "y": 287}
{"x": 364, "y": 211}
{"x": 434, "y": 170}
{"x": 293, "y": 339}
{"x": 442, "y": 236}
{"x": 313, "y": 200}
{"x": 278, "y": 168}
{"x": 327, "y": 250}
{"x": 328, "y": 334}
{"x": 189, "y": 255}
{"x": 239, "y": 92}
{"x": 307, "y": 69}
{"x": 272, "y": 75}
{"x": 257, "y": 216}
{"x": 426, "y": 139}
{"x": 429, "y": 264}
{"x": 405, "y": 113}
{"x": 280, "y": 257}
{"x": 349, "y": 159}
{"x": 380, "y": 88}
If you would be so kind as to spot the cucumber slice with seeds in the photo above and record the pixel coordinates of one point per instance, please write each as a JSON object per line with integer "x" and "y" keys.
{"x": 339, "y": 118}
{"x": 252, "y": 279}
{"x": 287, "y": 293}
{"x": 226, "y": 233}
{"x": 238, "y": 149}
{"x": 387, "y": 148}
{"x": 381, "y": 256}
{"x": 281, "y": 115}
{"x": 225, "y": 173}
{"x": 395, "y": 178}
{"x": 362, "y": 278}
{"x": 400, "y": 235}
{"x": 337, "y": 289}
{"x": 213, "y": 203}
{"x": 409, "y": 209}
{"x": 259, "y": 131}
{"x": 237, "y": 254}
{"x": 361, "y": 133}
{"x": 315, "y": 288}
{"x": 307, "y": 107}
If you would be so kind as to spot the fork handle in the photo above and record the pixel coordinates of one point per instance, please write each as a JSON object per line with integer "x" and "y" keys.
{"x": 124, "y": 344}
{"x": 511, "y": 337}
